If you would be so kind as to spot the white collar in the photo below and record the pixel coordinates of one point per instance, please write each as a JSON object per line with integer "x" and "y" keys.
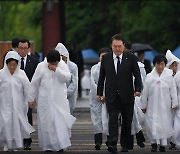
{"x": 25, "y": 59}
{"x": 120, "y": 56}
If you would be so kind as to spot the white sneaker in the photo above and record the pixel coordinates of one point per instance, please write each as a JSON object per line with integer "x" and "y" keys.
{"x": 5, "y": 148}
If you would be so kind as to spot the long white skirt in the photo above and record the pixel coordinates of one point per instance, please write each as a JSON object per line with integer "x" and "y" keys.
{"x": 54, "y": 129}
{"x": 176, "y": 137}
{"x": 138, "y": 117}
{"x": 14, "y": 127}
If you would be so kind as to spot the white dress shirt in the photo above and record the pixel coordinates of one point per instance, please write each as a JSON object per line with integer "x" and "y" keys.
{"x": 116, "y": 60}
{"x": 25, "y": 59}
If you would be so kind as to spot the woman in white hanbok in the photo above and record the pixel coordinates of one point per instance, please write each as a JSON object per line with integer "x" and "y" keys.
{"x": 14, "y": 88}
{"x": 48, "y": 87}
{"x": 85, "y": 81}
{"x": 159, "y": 98}
{"x": 138, "y": 115}
{"x": 173, "y": 64}
{"x": 98, "y": 111}
{"x": 176, "y": 137}
{"x": 72, "y": 84}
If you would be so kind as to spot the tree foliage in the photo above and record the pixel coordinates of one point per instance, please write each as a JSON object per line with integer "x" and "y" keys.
{"x": 153, "y": 22}
{"x": 22, "y": 20}
{"x": 88, "y": 23}
{"x": 91, "y": 24}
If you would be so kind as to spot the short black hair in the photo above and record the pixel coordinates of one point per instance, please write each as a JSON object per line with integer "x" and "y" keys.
{"x": 159, "y": 58}
{"x": 128, "y": 45}
{"x": 15, "y": 42}
{"x": 117, "y": 37}
{"x": 104, "y": 50}
{"x": 24, "y": 41}
{"x": 11, "y": 59}
{"x": 53, "y": 56}
{"x": 140, "y": 53}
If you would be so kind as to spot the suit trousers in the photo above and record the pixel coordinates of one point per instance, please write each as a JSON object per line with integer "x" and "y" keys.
{"x": 29, "y": 114}
{"x": 28, "y": 141}
{"x": 98, "y": 138}
{"x": 139, "y": 138}
{"x": 126, "y": 111}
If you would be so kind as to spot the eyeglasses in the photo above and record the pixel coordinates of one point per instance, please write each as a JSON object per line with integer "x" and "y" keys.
{"x": 22, "y": 48}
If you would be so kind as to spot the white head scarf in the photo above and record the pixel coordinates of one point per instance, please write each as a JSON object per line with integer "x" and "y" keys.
{"x": 62, "y": 50}
{"x": 14, "y": 55}
{"x": 171, "y": 58}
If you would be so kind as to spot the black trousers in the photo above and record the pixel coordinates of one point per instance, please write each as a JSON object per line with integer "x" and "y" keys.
{"x": 79, "y": 86}
{"x": 29, "y": 114}
{"x": 28, "y": 141}
{"x": 98, "y": 138}
{"x": 126, "y": 110}
{"x": 139, "y": 138}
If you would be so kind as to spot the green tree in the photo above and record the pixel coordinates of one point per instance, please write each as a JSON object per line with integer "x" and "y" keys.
{"x": 22, "y": 20}
{"x": 152, "y": 22}
{"x": 89, "y": 24}
{"x": 92, "y": 23}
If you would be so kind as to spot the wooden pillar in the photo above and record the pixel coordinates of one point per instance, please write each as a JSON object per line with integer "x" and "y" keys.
{"x": 52, "y": 24}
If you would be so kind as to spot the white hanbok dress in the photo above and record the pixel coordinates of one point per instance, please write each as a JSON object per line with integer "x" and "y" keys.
{"x": 53, "y": 112}
{"x": 14, "y": 126}
{"x": 85, "y": 81}
{"x": 176, "y": 137}
{"x": 171, "y": 59}
{"x": 176, "y": 115}
{"x": 159, "y": 97}
{"x": 72, "y": 84}
{"x": 98, "y": 110}
{"x": 138, "y": 115}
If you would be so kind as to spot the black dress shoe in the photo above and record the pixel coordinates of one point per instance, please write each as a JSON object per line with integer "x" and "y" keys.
{"x": 130, "y": 148}
{"x": 124, "y": 150}
{"x": 162, "y": 149}
{"x": 112, "y": 149}
{"x": 107, "y": 143}
{"x": 27, "y": 147}
{"x": 49, "y": 151}
{"x": 154, "y": 147}
{"x": 98, "y": 147}
{"x": 61, "y": 150}
{"x": 173, "y": 146}
{"x": 141, "y": 144}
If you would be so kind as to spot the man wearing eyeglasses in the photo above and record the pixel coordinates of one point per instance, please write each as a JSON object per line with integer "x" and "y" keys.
{"x": 28, "y": 64}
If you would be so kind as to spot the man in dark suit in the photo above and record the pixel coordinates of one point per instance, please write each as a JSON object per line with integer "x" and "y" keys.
{"x": 117, "y": 71}
{"x": 14, "y": 44}
{"x": 28, "y": 64}
{"x": 146, "y": 62}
